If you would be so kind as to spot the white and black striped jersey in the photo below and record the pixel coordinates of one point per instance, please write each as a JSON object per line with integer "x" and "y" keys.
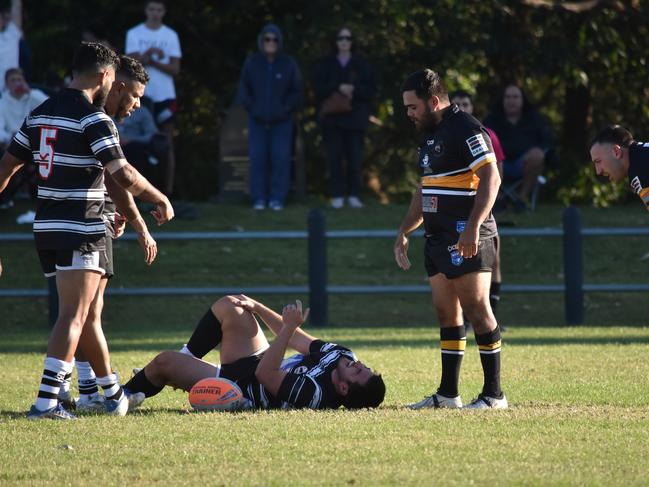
{"x": 308, "y": 381}
{"x": 639, "y": 170}
{"x": 70, "y": 140}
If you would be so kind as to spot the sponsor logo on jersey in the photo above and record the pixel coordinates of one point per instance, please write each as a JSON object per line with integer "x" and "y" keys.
{"x": 636, "y": 185}
{"x": 460, "y": 226}
{"x": 429, "y": 204}
{"x": 430, "y": 142}
{"x": 424, "y": 161}
{"x": 438, "y": 150}
{"x": 477, "y": 145}
{"x": 300, "y": 370}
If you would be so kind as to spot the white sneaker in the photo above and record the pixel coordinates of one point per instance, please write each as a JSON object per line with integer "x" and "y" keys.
{"x": 135, "y": 399}
{"x": 259, "y": 205}
{"x": 337, "y": 203}
{"x": 66, "y": 400}
{"x": 486, "y": 402}
{"x": 354, "y": 202}
{"x": 90, "y": 403}
{"x": 437, "y": 401}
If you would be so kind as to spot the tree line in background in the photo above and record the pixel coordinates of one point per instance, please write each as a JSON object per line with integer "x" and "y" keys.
{"x": 583, "y": 64}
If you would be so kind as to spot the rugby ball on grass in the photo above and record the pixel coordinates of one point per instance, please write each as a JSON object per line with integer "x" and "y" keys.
{"x": 216, "y": 394}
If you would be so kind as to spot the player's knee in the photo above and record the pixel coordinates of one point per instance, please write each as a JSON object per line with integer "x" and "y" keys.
{"x": 448, "y": 316}
{"x": 162, "y": 362}
{"x": 535, "y": 157}
{"x": 225, "y": 306}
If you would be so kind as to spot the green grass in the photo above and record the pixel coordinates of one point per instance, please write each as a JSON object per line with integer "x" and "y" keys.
{"x": 579, "y": 395}
{"x": 578, "y": 416}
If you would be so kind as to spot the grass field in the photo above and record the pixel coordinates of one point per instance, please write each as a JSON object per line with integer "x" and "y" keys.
{"x": 579, "y": 395}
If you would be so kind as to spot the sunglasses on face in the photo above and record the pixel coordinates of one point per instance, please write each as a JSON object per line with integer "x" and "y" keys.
{"x": 270, "y": 39}
{"x": 344, "y": 38}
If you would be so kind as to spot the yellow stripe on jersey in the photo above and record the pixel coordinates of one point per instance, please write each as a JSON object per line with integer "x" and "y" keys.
{"x": 453, "y": 344}
{"x": 466, "y": 180}
{"x": 644, "y": 194}
{"x": 489, "y": 158}
{"x": 491, "y": 346}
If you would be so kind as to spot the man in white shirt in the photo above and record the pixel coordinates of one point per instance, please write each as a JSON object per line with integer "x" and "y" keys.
{"x": 10, "y": 34}
{"x": 17, "y": 102}
{"x": 157, "y": 47}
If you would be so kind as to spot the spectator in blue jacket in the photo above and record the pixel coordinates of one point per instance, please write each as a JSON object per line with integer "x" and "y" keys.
{"x": 270, "y": 89}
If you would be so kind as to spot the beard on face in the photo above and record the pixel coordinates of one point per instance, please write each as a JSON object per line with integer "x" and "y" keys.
{"x": 101, "y": 96}
{"x": 428, "y": 122}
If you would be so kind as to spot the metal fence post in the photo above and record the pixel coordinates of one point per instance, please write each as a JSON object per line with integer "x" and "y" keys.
{"x": 572, "y": 266}
{"x": 317, "y": 267}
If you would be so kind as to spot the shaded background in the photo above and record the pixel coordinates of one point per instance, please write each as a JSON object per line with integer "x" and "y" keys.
{"x": 584, "y": 64}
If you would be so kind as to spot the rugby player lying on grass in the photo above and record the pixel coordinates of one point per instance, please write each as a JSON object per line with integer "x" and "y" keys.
{"x": 322, "y": 376}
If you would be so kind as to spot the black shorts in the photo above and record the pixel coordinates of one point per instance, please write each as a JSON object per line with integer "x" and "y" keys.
{"x": 441, "y": 255}
{"x": 241, "y": 371}
{"x": 164, "y": 112}
{"x": 92, "y": 260}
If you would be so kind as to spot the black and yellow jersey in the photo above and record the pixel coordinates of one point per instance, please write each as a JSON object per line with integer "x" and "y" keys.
{"x": 639, "y": 170}
{"x": 448, "y": 159}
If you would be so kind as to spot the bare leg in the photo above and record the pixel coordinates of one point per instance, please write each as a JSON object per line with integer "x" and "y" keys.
{"x": 532, "y": 168}
{"x": 77, "y": 289}
{"x": 92, "y": 343}
{"x": 446, "y": 302}
{"x": 473, "y": 292}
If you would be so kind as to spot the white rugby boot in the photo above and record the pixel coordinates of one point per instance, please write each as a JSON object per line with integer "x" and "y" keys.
{"x": 487, "y": 402}
{"x": 93, "y": 403}
{"x": 437, "y": 401}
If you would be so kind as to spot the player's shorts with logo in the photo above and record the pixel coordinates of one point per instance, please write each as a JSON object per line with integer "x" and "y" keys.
{"x": 80, "y": 259}
{"x": 441, "y": 255}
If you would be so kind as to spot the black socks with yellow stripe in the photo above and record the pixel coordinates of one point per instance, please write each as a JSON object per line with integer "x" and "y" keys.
{"x": 489, "y": 346}
{"x": 453, "y": 343}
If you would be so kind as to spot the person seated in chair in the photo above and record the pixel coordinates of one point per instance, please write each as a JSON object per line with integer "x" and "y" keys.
{"x": 143, "y": 145}
{"x": 526, "y": 140}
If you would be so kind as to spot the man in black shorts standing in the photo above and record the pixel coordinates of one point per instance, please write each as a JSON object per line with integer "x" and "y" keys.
{"x": 73, "y": 141}
{"x": 617, "y": 156}
{"x": 458, "y": 188}
{"x": 321, "y": 376}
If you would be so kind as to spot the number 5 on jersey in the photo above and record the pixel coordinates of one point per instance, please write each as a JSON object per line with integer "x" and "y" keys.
{"x": 46, "y": 151}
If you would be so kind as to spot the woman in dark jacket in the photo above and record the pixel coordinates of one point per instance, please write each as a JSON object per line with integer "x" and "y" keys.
{"x": 349, "y": 74}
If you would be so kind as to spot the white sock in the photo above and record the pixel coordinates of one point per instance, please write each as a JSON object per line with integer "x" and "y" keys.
{"x": 186, "y": 351}
{"x": 86, "y": 379}
{"x": 54, "y": 374}
{"x": 111, "y": 387}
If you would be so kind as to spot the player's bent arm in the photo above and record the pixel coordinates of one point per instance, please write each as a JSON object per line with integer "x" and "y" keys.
{"x": 485, "y": 195}
{"x": 9, "y": 165}
{"x": 414, "y": 216}
{"x": 171, "y": 68}
{"x": 125, "y": 203}
{"x": 268, "y": 371}
{"x": 300, "y": 341}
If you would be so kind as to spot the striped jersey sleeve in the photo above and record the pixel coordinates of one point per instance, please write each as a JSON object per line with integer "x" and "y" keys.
{"x": 20, "y": 146}
{"x": 477, "y": 147}
{"x": 300, "y": 391}
{"x": 102, "y": 136}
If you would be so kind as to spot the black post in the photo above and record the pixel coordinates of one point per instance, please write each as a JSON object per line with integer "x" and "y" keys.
{"x": 317, "y": 267}
{"x": 572, "y": 266}
{"x": 53, "y": 300}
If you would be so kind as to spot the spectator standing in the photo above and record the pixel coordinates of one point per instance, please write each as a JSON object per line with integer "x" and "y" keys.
{"x": 10, "y": 34}
{"x": 157, "y": 47}
{"x": 525, "y": 137}
{"x": 346, "y": 74}
{"x": 270, "y": 89}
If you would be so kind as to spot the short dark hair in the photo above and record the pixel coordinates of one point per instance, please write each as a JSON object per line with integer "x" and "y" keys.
{"x": 426, "y": 83}
{"x": 93, "y": 57}
{"x": 613, "y": 134}
{"x": 12, "y": 71}
{"x": 368, "y": 395}
{"x": 132, "y": 70}
{"x": 460, "y": 94}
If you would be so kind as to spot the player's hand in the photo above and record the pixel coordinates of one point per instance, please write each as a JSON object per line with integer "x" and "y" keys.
{"x": 149, "y": 246}
{"x": 468, "y": 242}
{"x": 0, "y": 268}
{"x": 401, "y": 251}
{"x": 292, "y": 315}
{"x": 243, "y": 301}
{"x": 120, "y": 225}
{"x": 163, "y": 212}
